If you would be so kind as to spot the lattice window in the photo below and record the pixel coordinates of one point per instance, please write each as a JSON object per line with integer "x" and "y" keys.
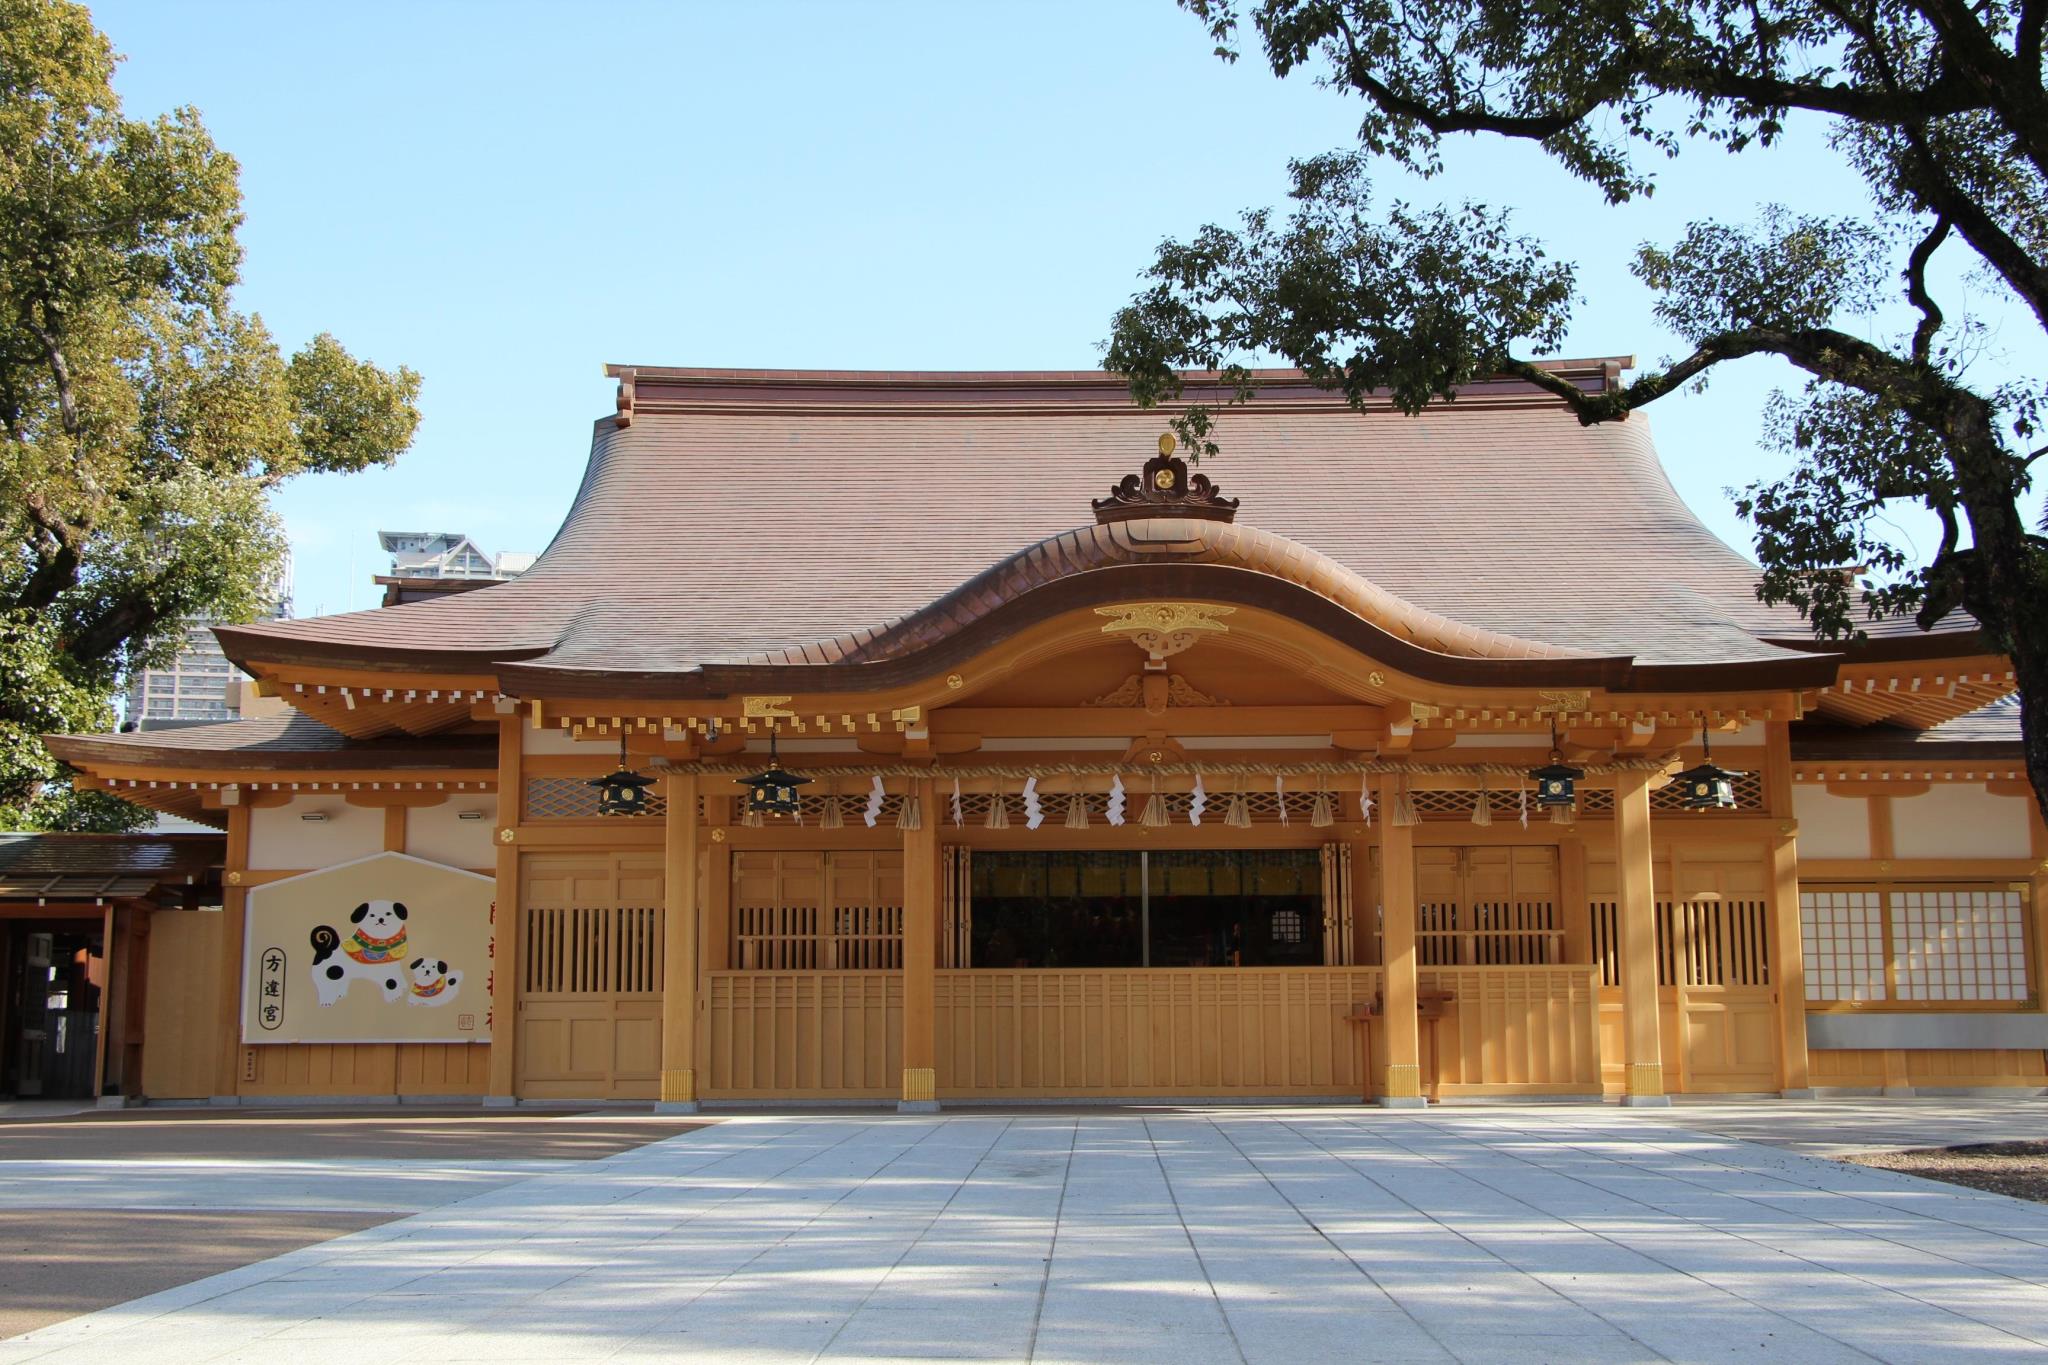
{"x": 817, "y": 911}
{"x": 592, "y": 950}
{"x": 1607, "y": 941}
{"x": 853, "y": 806}
{"x": 1287, "y": 926}
{"x": 1955, "y": 943}
{"x": 1713, "y": 943}
{"x": 1262, "y": 806}
{"x": 1842, "y": 932}
{"x": 573, "y": 798}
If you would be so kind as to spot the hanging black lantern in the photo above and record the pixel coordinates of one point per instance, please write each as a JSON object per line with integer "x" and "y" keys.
{"x": 1707, "y": 787}
{"x": 1556, "y": 781}
{"x": 623, "y": 792}
{"x": 773, "y": 792}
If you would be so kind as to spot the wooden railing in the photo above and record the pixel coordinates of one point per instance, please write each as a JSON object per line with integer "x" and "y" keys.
{"x": 1516, "y": 1030}
{"x": 1264, "y": 1031}
{"x": 805, "y": 1034}
{"x": 1137, "y": 1031}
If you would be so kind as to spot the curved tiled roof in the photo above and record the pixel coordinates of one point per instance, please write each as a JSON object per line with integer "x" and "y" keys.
{"x": 292, "y": 741}
{"x": 750, "y": 519}
{"x": 1989, "y": 732}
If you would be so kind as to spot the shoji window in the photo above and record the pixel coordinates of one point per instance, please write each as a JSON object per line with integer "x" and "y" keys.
{"x": 1915, "y": 945}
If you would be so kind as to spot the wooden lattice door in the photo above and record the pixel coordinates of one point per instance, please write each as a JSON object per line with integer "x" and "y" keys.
{"x": 589, "y": 965}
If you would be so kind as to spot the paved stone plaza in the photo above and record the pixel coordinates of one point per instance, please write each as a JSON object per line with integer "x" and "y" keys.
{"x": 1301, "y": 1235}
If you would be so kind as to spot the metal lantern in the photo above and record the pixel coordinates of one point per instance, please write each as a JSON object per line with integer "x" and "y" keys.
{"x": 773, "y": 792}
{"x": 1707, "y": 786}
{"x": 623, "y": 792}
{"x": 1556, "y": 781}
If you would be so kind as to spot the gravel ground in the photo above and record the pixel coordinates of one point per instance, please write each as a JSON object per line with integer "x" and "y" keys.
{"x": 2019, "y": 1169}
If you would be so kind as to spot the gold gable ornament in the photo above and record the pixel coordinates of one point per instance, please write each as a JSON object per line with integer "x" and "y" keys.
{"x": 1163, "y": 629}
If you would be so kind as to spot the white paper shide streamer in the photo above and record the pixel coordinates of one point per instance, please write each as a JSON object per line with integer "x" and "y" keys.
{"x": 874, "y": 807}
{"x": 1280, "y": 791}
{"x": 959, "y": 816}
{"x": 1115, "y": 813}
{"x": 1033, "y": 815}
{"x": 1197, "y": 801}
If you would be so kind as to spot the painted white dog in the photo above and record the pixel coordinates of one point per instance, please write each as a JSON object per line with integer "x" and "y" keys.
{"x": 433, "y": 985}
{"x": 374, "y": 951}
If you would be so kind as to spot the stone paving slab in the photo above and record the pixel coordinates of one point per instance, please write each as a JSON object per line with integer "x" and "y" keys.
{"x": 1559, "y": 1233}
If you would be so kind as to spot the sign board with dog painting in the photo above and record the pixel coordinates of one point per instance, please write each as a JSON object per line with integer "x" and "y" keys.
{"x": 385, "y": 949}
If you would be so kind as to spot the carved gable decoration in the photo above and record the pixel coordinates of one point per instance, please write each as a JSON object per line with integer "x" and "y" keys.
{"x": 1165, "y": 489}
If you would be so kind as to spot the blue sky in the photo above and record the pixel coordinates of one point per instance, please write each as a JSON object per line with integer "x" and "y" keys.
{"x": 507, "y": 196}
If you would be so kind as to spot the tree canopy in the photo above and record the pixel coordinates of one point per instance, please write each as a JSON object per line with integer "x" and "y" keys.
{"x": 145, "y": 418}
{"x": 1938, "y": 105}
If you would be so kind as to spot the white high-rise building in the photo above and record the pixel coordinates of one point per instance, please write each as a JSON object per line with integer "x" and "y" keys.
{"x": 447, "y": 554}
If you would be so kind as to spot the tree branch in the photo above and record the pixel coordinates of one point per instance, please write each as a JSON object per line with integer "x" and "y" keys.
{"x": 1916, "y": 290}
{"x": 132, "y": 617}
{"x": 60, "y": 370}
{"x": 1975, "y": 56}
{"x": 57, "y": 570}
{"x": 2027, "y": 50}
{"x": 1820, "y": 351}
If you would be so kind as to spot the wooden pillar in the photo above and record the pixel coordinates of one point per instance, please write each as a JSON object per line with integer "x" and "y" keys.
{"x": 1788, "y": 951}
{"x": 715, "y": 949}
{"x": 505, "y": 918}
{"x": 1574, "y": 907}
{"x": 1402, "y": 1086}
{"x": 394, "y": 827}
{"x": 1637, "y": 914}
{"x": 108, "y": 976}
{"x": 2037, "y": 900}
{"x": 920, "y": 953}
{"x": 234, "y": 907}
{"x": 681, "y": 921}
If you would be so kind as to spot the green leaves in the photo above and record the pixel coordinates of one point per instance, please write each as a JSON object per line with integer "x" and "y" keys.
{"x": 1786, "y": 271}
{"x": 348, "y": 414}
{"x": 144, "y": 418}
{"x": 1414, "y": 304}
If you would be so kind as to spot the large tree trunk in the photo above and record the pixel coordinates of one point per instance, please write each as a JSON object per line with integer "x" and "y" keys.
{"x": 2005, "y": 585}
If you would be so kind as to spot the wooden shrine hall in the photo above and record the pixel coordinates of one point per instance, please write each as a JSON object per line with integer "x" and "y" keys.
{"x": 934, "y": 737}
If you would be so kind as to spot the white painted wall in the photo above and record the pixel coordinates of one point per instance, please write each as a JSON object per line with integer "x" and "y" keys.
{"x": 1959, "y": 820}
{"x": 1830, "y": 826}
{"x": 553, "y": 739}
{"x": 439, "y": 834}
{"x": 279, "y": 839}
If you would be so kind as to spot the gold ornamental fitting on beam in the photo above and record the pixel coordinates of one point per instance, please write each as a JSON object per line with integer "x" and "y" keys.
{"x": 1164, "y": 629}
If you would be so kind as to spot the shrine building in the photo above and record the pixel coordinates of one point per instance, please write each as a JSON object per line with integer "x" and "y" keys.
{"x": 922, "y": 738}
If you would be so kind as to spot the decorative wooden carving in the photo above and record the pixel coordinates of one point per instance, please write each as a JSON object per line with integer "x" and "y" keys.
{"x": 1165, "y": 489}
{"x": 1179, "y": 692}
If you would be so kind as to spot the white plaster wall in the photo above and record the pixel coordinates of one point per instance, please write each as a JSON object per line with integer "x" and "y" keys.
{"x": 553, "y": 739}
{"x": 1959, "y": 820}
{"x": 440, "y": 834}
{"x": 1830, "y": 826}
{"x": 279, "y": 840}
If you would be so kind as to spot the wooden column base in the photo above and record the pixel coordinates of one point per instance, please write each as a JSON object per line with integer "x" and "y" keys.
{"x": 1646, "y": 1085}
{"x": 920, "y": 1091}
{"x": 678, "y": 1092}
{"x": 1403, "y": 1088}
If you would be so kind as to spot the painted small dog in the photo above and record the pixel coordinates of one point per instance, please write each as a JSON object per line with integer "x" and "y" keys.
{"x": 375, "y": 951}
{"x": 432, "y": 985}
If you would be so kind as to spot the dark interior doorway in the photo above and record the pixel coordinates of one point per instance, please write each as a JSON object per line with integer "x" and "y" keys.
{"x": 50, "y": 1012}
{"x": 1206, "y": 908}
